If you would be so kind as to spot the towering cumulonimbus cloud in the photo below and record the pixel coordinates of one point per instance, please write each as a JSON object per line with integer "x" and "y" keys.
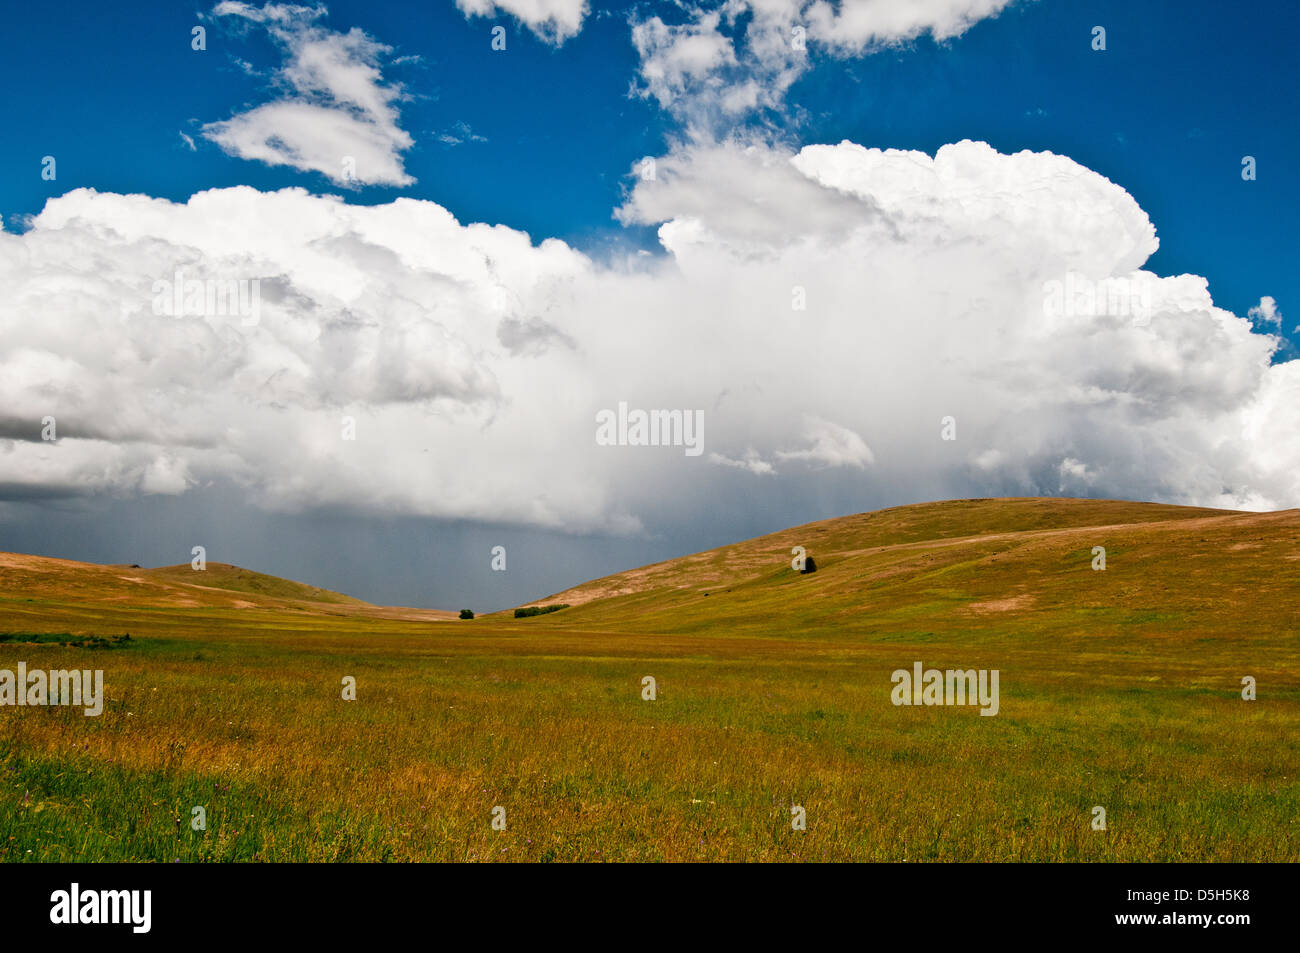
{"x": 972, "y": 323}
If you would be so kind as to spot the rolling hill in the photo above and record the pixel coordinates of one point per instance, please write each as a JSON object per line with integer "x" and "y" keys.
{"x": 974, "y": 565}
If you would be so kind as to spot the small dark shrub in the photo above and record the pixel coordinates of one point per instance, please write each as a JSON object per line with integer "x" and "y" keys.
{"x": 467, "y": 613}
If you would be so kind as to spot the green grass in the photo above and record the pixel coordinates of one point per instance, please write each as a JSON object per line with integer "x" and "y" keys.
{"x": 1120, "y": 689}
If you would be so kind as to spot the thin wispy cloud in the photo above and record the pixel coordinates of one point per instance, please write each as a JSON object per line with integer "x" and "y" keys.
{"x": 459, "y": 134}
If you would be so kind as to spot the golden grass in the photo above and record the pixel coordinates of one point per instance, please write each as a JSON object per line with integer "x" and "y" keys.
{"x": 1119, "y": 689}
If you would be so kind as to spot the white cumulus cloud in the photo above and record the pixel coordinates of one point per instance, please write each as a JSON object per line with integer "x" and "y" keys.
{"x": 831, "y": 446}
{"x": 337, "y": 116}
{"x": 1266, "y": 311}
{"x": 552, "y": 20}
{"x": 727, "y": 59}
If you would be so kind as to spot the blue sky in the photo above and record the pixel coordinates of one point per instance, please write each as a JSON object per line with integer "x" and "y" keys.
{"x": 473, "y": 359}
{"x": 1183, "y": 91}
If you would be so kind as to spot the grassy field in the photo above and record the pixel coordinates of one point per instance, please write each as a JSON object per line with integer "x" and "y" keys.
{"x": 1119, "y": 689}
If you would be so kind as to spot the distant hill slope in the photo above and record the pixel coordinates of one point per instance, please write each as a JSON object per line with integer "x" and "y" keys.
{"x": 967, "y": 564}
{"x": 225, "y": 577}
{"x": 220, "y": 585}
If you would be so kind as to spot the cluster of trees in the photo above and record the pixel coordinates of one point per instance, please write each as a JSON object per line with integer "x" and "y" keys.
{"x": 538, "y": 610}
